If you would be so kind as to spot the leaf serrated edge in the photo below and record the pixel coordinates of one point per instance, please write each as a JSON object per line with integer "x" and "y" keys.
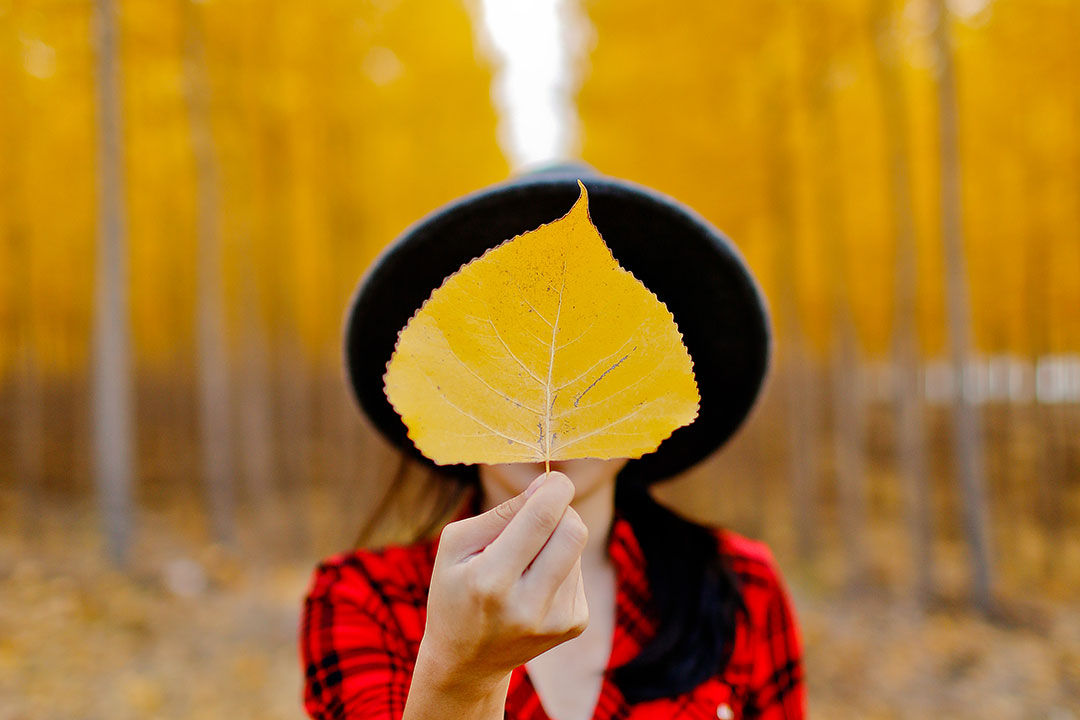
{"x": 671, "y": 316}
{"x": 423, "y": 305}
{"x": 618, "y": 266}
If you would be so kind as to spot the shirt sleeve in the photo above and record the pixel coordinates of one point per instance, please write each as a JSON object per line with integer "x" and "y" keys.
{"x": 777, "y": 690}
{"x": 354, "y": 665}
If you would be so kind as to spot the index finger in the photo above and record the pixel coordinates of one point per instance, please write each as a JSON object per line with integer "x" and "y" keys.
{"x": 511, "y": 552}
{"x": 473, "y": 534}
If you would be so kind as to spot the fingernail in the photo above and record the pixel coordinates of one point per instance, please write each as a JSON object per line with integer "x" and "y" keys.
{"x": 534, "y": 485}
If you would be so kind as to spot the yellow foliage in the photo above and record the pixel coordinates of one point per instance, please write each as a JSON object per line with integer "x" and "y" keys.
{"x": 334, "y": 126}
{"x": 768, "y": 119}
{"x": 544, "y": 348}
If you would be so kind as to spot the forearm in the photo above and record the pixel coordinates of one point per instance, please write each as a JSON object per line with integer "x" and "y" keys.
{"x": 437, "y": 692}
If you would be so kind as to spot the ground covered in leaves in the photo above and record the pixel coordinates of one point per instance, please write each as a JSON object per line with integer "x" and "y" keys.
{"x": 209, "y": 634}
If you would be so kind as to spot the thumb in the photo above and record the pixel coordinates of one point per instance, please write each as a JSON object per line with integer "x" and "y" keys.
{"x": 474, "y": 534}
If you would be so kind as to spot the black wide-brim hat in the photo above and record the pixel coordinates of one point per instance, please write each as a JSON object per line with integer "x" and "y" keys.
{"x": 689, "y": 264}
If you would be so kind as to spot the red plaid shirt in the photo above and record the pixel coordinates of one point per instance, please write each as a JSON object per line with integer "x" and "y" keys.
{"x": 364, "y": 617}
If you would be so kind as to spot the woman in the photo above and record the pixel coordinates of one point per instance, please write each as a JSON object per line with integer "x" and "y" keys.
{"x": 573, "y": 594}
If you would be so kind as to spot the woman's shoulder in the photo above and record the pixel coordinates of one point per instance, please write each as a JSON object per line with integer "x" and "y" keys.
{"x": 361, "y": 626}
{"x": 754, "y": 566}
{"x": 746, "y": 554}
{"x": 767, "y": 654}
{"x": 390, "y": 572}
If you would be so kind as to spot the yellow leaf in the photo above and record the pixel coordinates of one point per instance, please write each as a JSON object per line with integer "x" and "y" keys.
{"x": 544, "y": 348}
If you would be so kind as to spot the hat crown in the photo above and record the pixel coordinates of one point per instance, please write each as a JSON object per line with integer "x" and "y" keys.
{"x": 561, "y": 169}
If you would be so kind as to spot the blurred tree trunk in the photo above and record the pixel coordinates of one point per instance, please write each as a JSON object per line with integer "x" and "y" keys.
{"x": 258, "y": 462}
{"x": 799, "y": 390}
{"x": 818, "y": 48}
{"x": 27, "y": 411}
{"x": 910, "y": 439}
{"x": 352, "y": 454}
{"x": 1048, "y": 418}
{"x": 1072, "y": 411}
{"x": 967, "y": 438}
{"x": 339, "y": 458}
{"x": 759, "y": 492}
{"x": 258, "y": 459}
{"x": 849, "y": 422}
{"x": 215, "y": 428}
{"x": 295, "y": 387}
{"x": 113, "y": 442}
{"x": 28, "y": 418}
{"x": 801, "y": 410}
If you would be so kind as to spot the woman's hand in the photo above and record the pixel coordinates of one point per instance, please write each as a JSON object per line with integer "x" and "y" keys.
{"x": 506, "y": 586}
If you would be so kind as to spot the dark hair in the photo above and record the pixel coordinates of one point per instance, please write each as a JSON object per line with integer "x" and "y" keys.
{"x": 697, "y": 599}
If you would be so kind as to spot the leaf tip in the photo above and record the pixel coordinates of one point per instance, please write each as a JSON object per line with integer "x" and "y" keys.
{"x": 583, "y": 196}
{"x": 581, "y": 205}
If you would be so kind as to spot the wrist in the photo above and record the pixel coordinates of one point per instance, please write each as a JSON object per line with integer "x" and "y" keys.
{"x": 451, "y": 679}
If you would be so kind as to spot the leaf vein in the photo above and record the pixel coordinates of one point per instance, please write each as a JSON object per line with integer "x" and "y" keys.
{"x": 583, "y": 334}
{"x": 551, "y": 365}
{"x": 600, "y": 429}
{"x": 491, "y": 387}
{"x": 472, "y": 417}
{"x": 603, "y": 359}
{"x": 531, "y": 306}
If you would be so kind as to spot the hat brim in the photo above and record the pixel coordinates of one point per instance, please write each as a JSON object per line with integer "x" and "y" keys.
{"x": 691, "y": 266}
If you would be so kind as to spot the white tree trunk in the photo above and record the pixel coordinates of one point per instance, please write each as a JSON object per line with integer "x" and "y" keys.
{"x": 847, "y": 406}
{"x": 800, "y": 398}
{"x": 910, "y": 432}
{"x": 295, "y": 387}
{"x": 967, "y": 437}
{"x": 29, "y": 419}
{"x": 215, "y": 427}
{"x": 818, "y": 50}
{"x": 113, "y": 442}
{"x": 258, "y": 461}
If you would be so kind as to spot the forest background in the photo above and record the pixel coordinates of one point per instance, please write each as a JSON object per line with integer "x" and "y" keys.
{"x": 189, "y": 192}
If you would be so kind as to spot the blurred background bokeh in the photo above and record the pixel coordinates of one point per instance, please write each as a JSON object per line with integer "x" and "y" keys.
{"x": 189, "y": 192}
